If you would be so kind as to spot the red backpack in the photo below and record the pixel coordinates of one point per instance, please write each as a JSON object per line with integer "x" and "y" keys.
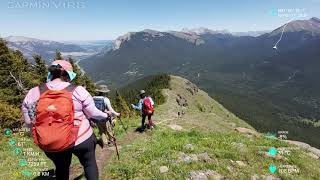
{"x": 54, "y": 129}
{"x": 147, "y": 107}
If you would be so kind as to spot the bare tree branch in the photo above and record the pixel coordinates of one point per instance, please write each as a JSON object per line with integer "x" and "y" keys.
{"x": 19, "y": 83}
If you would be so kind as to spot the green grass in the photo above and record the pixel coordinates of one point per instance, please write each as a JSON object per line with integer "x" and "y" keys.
{"x": 210, "y": 128}
{"x": 143, "y": 158}
{"x": 9, "y": 165}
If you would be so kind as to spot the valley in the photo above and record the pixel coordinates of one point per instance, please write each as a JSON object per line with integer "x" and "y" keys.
{"x": 271, "y": 89}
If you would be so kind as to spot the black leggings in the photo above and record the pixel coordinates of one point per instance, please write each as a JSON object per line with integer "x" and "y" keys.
{"x": 86, "y": 154}
{"x": 150, "y": 123}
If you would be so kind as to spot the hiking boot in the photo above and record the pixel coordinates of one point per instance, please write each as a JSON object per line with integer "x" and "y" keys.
{"x": 100, "y": 143}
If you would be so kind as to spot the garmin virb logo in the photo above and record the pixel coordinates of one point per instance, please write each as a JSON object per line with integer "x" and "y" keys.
{"x": 22, "y": 4}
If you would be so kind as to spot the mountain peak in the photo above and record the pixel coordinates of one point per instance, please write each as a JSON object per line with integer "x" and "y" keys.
{"x": 151, "y": 31}
{"x": 121, "y": 39}
{"x": 203, "y": 30}
{"x": 21, "y": 39}
{"x": 315, "y": 19}
{"x": 312, "y": 25}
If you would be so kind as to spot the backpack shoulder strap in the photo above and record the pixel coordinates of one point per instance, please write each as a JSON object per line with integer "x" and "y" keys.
{"x": 71, "y": 88}
{"x": 43, "y": 88}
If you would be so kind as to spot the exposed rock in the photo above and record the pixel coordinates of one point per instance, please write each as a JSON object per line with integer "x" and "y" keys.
{"x": 194, "y": 157}
{"x": 203, "y": 175}
{"x": 241, "y": 163}
{"x": 230, "y": 168}
{"x": 240, "y": 146}
{"x": 255, "y": 177}
{"x": 182, "y": 157}
{"x": 183, "y": 102}
{"x": 164, "y": 169}
{"x": 315, "y": 151}
{"x": 198, "y": 175}
{"x": 189, "y": 147}
{"x": 305, "y": 146}
{"x": 302, "y": 145}
{"x": 181, "y": 114}
{"x": 247, "y": 131}
{"x": 175, "y": 127}
{"x": 204, "y": 157}
{"x": 313, "y": 155}
{"x": 232, "y": 124}
{"x": 192, "y": 88}
{"x": 269, "y": 177}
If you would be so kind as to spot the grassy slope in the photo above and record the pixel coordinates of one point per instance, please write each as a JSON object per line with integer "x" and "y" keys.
{"x": 206, "y": 125}
{"x": 210, "y": 131}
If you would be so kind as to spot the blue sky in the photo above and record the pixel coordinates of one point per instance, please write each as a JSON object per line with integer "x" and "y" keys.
{"x": 108, "y": 19}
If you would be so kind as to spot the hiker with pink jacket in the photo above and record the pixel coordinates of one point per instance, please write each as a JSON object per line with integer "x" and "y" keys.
{"x": 63, "y": 109}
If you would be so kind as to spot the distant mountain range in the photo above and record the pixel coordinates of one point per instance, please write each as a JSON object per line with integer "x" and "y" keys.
{"x": 76, "y": 49}
{"x": 202, "y": 30}
{"x": 84, "y": 49}
{"x": 271, "y": 88}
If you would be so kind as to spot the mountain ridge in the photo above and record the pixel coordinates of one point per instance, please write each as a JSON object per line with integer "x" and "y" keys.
{"x": 311, "y": 25}
{"x": 197, "y": 138}
{"x": 228, "y": 67}
{"x": 47, "y": 48}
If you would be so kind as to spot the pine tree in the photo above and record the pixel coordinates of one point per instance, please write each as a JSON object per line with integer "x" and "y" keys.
{"x": 3, "y": 47}
{"x": 88, "y": 83}
{"x": 58, "y": 55}
{"x": 40, "y": 68}
{"x": 16, "y": 75}
{"x": 122, "y": 106}
{"x": 82, "y": 79}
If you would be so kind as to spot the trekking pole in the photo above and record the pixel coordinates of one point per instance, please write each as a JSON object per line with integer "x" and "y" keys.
{"x": 115, "y": 144}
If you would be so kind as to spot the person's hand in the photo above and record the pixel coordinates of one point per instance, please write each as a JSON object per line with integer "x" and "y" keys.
{"x": 132, "y": 105}
{"x": 109, "y": 113}
{"x": 118, "y": 114}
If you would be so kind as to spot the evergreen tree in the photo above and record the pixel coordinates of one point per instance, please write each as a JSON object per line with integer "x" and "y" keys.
{"x": 82, "y": 79}
{"x": 122, "y": 106}
{"x": 58, "y": 55}
{"x": 3, "y": 47}
{"x": 16, "y": 75}
{"x": 40, "y": 68}
{"x": 88, "y": 83}
{"x": 10, "y": 116}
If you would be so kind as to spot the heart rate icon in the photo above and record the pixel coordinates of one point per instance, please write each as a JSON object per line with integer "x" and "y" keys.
{"x": 272, "y": 169}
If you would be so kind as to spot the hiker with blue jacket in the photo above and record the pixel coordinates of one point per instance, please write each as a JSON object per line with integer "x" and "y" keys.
{"x": 145, "y": 105}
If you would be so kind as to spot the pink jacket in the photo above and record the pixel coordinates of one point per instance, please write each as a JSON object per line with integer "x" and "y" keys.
{"x": 83, "y": 105}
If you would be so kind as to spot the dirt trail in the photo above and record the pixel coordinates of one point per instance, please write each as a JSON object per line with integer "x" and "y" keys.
{"x": 103, "y": 156}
